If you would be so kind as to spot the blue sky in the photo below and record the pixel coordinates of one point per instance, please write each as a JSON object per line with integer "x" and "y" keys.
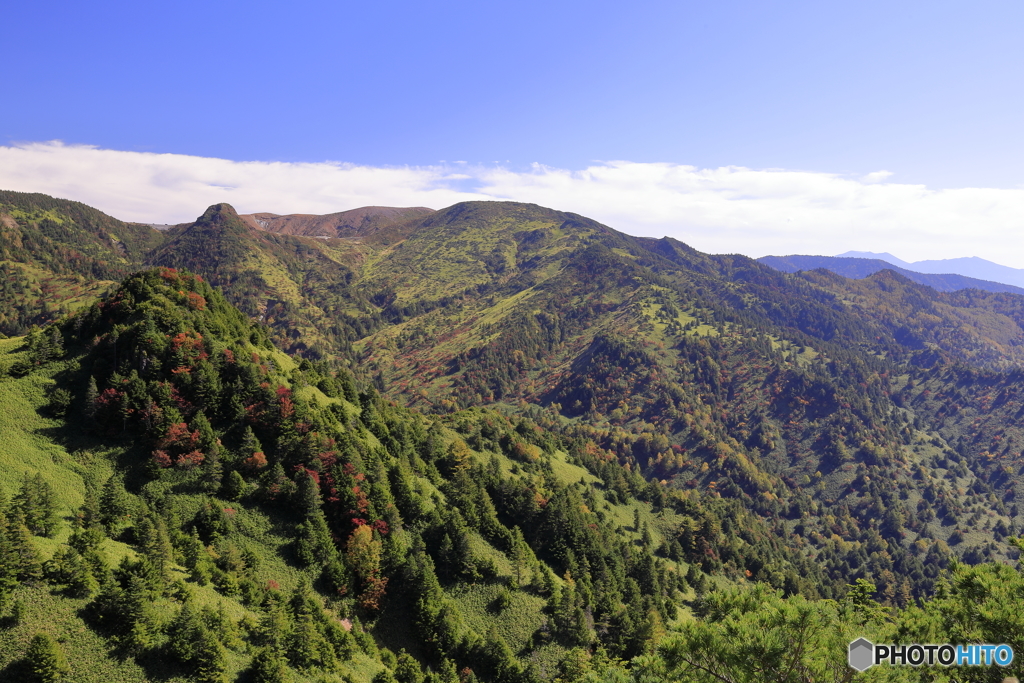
{"x": 929, "y": 92}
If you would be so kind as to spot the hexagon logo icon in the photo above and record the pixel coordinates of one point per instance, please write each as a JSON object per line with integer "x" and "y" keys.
{"x": 862, "y": 652}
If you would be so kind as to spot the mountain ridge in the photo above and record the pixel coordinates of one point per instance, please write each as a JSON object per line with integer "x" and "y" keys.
{"x": 858, "y": 268}
{"x": 968, "y": 266}
{"x": 360, "y": 222}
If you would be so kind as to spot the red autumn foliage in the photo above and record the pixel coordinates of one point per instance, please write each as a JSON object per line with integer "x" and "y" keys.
{"x": 196, "y": 301}
{"x": 373, "y": 590}
{"x": 169, "y": 274}
{"x": 256, "y": 461}
{"x": 180, "y": 438}
{"x": 162, "y": 459}
{"x": 313, "y": 473}
{"x": 186, "y": 340}
{"x": 190, "y": 460}
{"x": 287, "y": 408}
{"x": 109, "y": 397}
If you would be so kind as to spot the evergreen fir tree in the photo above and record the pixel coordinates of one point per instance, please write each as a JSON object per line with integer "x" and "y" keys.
{"x": 308, "y": 496}
{"x": 24, "y": 555}
{"x": 306, "y": 646}
{"x": 212, "y": 472}
{"x": 447, "y": 672}
{"x": 133, "y": 611}
{"x": 115, "y": 504}
{"x": 185, "y": 632}
{"x": 268, "y": 666}
{"x": 250, "y": 444}
{"x": 36, "y": 505}
{"x": 234, "y": 486}
{"x": 88, "y": 516}
{"x": 69, "y": 568}
{"x": 210, "y": 659}
{"x": 8, "y": 567}
{"x": 46, "y": 660}
{"x": 89, "y": 401}
{"x": 408, "y": 670}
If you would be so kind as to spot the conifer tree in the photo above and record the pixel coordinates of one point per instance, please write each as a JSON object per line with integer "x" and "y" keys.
{"x": 36, "y": 505}
{"x": 268, "y": 666}
{"x": 56, "y": 339}
{"x": 234, "y": 486}
{"x": 134, "y": 613}
{"x": 250, "y": 444}
{"x": 60, "y": 402}
{"x": 91, "y": 395}
{"x": 211, "y": 660}
{"x": 115, "y": 504}
{"x": 212, "y": 472}
{"x": 275, "y": 626}
{"x": 25, "y": 558}
{"x": 314, "y": 545}
{"x": 185, "y": 632}
{"x": 308, "y": 495}
{"x": 523, "y": 559}
{"x": 68, "y": 567}
{"x": 307, "y": 648}
{"x": 46, "y": 660}
{"x": 152, "y": 539}
{"x": 88, "y": 516}
{"x": 207, "y": 440}
{"x": 276, "y": 484}
{"x": 197, "y": 560}
{"x": 407, "y": 670}
{"x": 8, "y": 558}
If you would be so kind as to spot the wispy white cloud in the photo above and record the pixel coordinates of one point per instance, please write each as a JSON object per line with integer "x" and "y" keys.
{"x": 172, "y": 188}
{"x": 876, "y": 176}
{"x": 731, "y": 209}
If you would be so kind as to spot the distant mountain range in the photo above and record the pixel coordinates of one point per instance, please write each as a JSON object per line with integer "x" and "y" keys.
{"x": 971, "y": 266}
{"x": 946, "y": 275}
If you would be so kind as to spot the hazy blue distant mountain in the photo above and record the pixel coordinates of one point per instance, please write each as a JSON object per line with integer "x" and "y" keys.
{"x": 859, "y": 268}
{"x": 971, "y": 266}
{"x": 879, "y": 255}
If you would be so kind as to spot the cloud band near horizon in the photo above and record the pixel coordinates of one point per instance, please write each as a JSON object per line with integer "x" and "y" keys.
{"x": 723, "y": 210}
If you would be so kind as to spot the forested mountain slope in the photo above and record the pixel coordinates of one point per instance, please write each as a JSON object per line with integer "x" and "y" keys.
{"x": 214, "y": 507}
{"x": 56, "y": 254}
{"x": 298, "y": 286}
{"x": 563, "y": 436}
{"x": 792, "y": 395}
{"x": 195, "y": 505}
